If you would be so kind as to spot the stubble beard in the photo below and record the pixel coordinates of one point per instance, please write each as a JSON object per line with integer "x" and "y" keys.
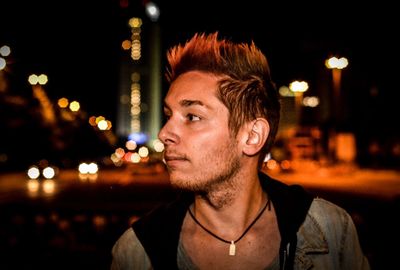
{"x": 218, "y": 185}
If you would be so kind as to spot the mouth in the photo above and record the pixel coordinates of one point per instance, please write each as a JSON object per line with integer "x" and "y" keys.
{"x": 172, "y": 159}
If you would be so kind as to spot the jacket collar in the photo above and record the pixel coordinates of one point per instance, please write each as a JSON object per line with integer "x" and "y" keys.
{"x": 159, "y": 230}
{"x": 291, "y": 205}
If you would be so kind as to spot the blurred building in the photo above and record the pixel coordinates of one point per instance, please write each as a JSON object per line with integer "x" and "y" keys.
{"x": 139, "y": 108}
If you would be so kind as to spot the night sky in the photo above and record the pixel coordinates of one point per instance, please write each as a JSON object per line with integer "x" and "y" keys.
{"x": 77, "y": 44}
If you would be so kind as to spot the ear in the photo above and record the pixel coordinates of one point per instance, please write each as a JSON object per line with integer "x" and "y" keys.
{"x": 256, "y": 133}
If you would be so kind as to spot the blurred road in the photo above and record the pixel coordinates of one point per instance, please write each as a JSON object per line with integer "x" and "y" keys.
{"x": 74, "y": 219}
{"x": 377, "y": 184}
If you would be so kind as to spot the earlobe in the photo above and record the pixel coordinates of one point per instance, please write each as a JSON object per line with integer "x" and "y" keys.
{"x": 257, "y": 135}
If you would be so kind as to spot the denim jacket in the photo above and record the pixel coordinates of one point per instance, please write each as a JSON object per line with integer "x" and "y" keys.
{"x": 315, "y": 233}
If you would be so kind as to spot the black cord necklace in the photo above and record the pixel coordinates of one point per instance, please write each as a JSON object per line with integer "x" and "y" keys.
{"x": 232, "y": 246}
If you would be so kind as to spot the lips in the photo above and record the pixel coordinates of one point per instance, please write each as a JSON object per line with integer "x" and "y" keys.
{"x": 174, "y": 159}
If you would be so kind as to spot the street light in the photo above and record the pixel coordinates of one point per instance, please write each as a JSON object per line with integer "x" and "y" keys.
{"x": 336, "y": 64}
{"x": 298, "y": 88}
{"x": 5, "y": 51}
{"x": 37, "y": 83}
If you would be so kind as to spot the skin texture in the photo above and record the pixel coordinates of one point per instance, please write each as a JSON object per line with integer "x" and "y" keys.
{"x": 203, "y": 156}
{"x": 200, "y": 155}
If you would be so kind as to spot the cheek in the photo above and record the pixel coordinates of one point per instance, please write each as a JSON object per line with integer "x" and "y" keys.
{"x": 201, "y": 138}
{"x": 207, "y": 141}
{"x": 216, "y": 147}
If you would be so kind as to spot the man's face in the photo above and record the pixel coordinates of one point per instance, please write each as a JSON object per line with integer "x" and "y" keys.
{"x": 199, "y": 149}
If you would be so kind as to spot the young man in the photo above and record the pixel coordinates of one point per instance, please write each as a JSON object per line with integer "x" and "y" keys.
{"x": 222, "y": 114}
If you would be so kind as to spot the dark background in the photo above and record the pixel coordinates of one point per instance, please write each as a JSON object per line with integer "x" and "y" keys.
{"x": 77, "y": 44}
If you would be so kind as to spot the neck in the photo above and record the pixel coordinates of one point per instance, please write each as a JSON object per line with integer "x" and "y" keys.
{"x": 231, "y": 208}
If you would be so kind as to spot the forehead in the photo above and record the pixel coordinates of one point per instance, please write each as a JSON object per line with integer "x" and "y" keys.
{"x": 194, "y": 85}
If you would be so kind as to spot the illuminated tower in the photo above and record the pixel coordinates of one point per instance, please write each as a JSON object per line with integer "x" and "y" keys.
{"x": 139, "y": 108}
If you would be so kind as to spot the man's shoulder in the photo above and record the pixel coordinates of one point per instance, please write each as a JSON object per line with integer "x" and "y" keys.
{"x": 324, "y": 209}
{"x": 168, "y": 210}
{"x": 126, "y": 241}
{"x": 327, "y": 217}
{"x": 128, "y": 253}
{"x": 329, "y": 229}
{"x": 158, "y": 231}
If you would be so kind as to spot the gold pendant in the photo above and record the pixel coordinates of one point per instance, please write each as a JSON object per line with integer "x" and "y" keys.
{"x": 232, "y": 249}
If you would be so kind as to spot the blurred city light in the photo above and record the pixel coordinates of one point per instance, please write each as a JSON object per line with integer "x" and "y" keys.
{"x": 102, "y": 125}
{"x": 131, "y": 145}
{"x": 143, "y": 151}
{"x": 338, "y": 63}
{"x": 346, "y": 147}
{"x": 135, "y": 22}
{"x": 74, "y": 106}
{"x": 33, "y": 172}
{"x": 126, "y": 44}
{"x": 136, "y": 45}
{"x": 135, "y": 157}
{"x": 311, "y": 101}
{"x": 3, "y": 63}
{"x": 88, "y": 168}
{"x": 5, "y": 50}
{"x": 63, "y": 102}
{"x": 138, "y": 137}
{"x": 48, "y": 172}
{"x": 119, "y": 152}
{"x": 48, "y": 186}
{"x": 152, "y": 11}
{"x": 88, "y": 171}
{"x": 33, "y": 186}
{"x": 35, "y": 79}
{"x": 298, "y": 88}
{"x": 285, "y": 91}
{"x": 158, "y": 146}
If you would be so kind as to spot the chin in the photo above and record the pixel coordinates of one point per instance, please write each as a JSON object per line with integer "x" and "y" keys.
{"x": 183, "y": 182}
{"x": 178, "y": 181}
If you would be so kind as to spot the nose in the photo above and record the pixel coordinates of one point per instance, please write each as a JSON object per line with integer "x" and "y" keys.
{"x": 168, "y": 135}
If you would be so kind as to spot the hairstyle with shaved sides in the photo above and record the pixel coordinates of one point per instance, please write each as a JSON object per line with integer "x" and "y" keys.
{"x": 245, "y": 87}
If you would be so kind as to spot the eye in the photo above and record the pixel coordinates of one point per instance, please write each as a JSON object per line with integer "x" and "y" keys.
{"x": 166, "y": 117}
{"x": 192, "y": 117}
{"x": 167, "y": 114}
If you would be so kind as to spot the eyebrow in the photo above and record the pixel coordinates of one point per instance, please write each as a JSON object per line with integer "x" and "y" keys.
{"x": 188, "y": 102}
